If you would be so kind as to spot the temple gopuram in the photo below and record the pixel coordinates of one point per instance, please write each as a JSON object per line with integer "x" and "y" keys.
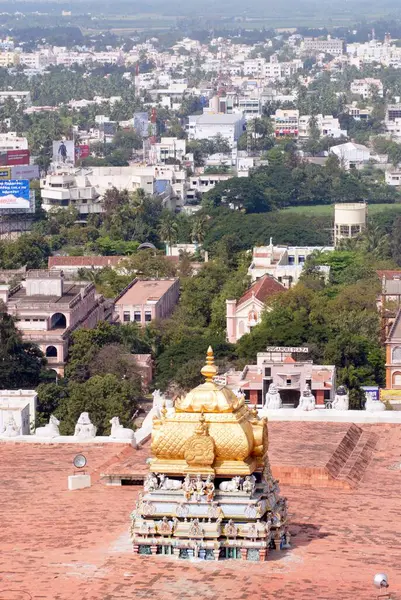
{"x": 210, "y": 493}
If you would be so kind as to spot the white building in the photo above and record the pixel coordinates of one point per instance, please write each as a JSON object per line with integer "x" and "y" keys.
{"x": 351, "y": 155}
{"x": 18, "y": 97}
{"x": 393, "y": 176}
{"x": 84, "y": 188}
{"x": 10, "y": 141}
{"x": 367, "y": 87}
{"x": 208, "y": 125}
{"x": 284, "y": 263}
{"x": 326, "y": 124}
{"x": 349, "y": 220}
{"x": 168, "y": 147}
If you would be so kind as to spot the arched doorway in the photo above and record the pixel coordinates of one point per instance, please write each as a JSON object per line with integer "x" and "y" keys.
{"x": 58, "y": 321}
{"x": 396, "y": 380}
{"x": 51, "y": 352}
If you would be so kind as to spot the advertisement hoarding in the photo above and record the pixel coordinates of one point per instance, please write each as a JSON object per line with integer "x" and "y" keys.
{"x": 82, "y": 151}
{"x": 15, "y": 194}
{"x": 5, "y": 172}
{"x": 141, "y": 123}
{"x": 14, "y": 157}
{"x": 25, "y": 172}
{"x": 63, "y": 152}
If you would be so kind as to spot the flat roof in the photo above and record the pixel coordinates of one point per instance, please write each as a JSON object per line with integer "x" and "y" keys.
{"x": 62, "y": 544}
{"x": 70, "y": 292}
{"x": 145, "y": 290}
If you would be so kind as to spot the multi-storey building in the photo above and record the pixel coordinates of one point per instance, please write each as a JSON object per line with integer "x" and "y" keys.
{"x": 286, "y": 122}
{"x": 332, "y": 46}
{"x": 48, "y": 308}
{"x": 146, "y": 300}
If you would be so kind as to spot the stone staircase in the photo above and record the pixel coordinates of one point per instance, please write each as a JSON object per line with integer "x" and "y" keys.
{"x": 357, "y": 463}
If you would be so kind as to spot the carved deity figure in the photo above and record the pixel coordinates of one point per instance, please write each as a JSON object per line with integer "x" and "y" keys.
{"x": 151, "y": 483}
{"x": 341, "y": 400}
{"x": 249, "y": 484}
{"x": 11, "y": 428}
{"x": 307, "y": 400}
{"x": 199, "y": 488}
{"x": 273, "y": 398}
{"x": 50, "y": 430}
{"x": 84, "y": 429}
{"x": 209, "y": 488}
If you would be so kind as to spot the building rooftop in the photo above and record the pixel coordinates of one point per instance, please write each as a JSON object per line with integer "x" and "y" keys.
{"x": 55, "y": 262}
{"x": 141, "y": 291}
{"x": 218, "y": 119}
{"x": 262, "y": 289}
{"x": 58, "y": 544}
{"x": 69, "y": 293}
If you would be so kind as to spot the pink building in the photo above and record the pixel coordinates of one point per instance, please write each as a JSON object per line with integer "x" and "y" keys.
{"x": 72, "y": 264}
{"x": 145, "y": 300}
{"x": 47, "y": 309}
{"x": 245, "y": 313}
{"x": 290, "y": 375}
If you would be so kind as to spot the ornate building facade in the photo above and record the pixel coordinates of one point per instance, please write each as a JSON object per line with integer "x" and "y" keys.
{"x": 210, "y": 493}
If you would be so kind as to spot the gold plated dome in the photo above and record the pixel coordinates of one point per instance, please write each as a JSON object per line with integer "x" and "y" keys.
{"x": 209, "y": 397}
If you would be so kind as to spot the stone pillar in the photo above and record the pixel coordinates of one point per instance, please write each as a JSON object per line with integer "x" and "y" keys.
{"x": 154, "y": 549}
{"x": 262, "y": 554}
{"x": 136, "y": 548}
{"x": 244, "y": 553}
{"x": 176, "y": 552}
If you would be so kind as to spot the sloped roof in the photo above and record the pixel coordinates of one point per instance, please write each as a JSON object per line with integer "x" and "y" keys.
{"x": 395, "y": 331}
{"x": 262, "y": 289}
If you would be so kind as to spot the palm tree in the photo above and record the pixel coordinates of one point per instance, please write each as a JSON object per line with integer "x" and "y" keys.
{"x": 198, "y": 232}
{"x": 168, "y": 229}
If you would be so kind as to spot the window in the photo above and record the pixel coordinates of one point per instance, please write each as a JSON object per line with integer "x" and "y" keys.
{"x": 397, "y": 354}
{"x": 355, "y": 229}
{"x": 301, "y": 259}
{"x": 291, "y": 260}
{"x": 344, "y": 229}
{"x": 148, "y": 316}
{"x": 268, "y": 371}
{"x": 137, "y": 317}
{"x": 127, "y": 317}
{"x": 288, "y": 381}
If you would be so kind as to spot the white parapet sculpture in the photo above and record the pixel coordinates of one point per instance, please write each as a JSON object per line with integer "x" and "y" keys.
{"x": 341, "y": 399}
{"x": 84, "y": 429}
{"x": 119, "y": 432}
{"x": 50, "y": 430}
{"x": 273, "y": 398}
{"x": 307, "y": 400}
{"x": 373, "y": 405}
{"x": 11, "y": 430}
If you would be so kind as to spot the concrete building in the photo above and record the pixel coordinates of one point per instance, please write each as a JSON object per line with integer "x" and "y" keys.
{"x": 286, "y": 122}
{"x": 332, "y": 46}
{"x": 326, "y": 124}
{"x": 10, "y": 141}
{"x": 284, "y": 263}
{"x": 168, "y": 148}
{"x": 290, "y": 375}
{"x": 367, "y": 87}
{"x": 349, "y": 220}
{"x": 84, "y": 188}
{"x": 70, "y": 265}
{"x": 208, "y": 125}
{"x": 245, "y": 313}
{"x": 21, "y": 406}
{"x": 393, "y": 176}
{"x": 48, "y": 308}
{"x": 17, "y": 96}
{"x": 146, "y": 300}
{"x": 351, "y": 155}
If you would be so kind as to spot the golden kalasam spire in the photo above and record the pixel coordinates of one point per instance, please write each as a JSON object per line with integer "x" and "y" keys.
{"x": 209, "y": 370}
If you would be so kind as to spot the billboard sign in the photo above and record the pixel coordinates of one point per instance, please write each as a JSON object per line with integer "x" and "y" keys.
{"x": 63, "y": 152}
{"x": 141, "y": 123}
{"x": 82, "y": 151}
{"x": 287, "y": 349}
{"x": 24, "y": 172}
{"x": 14, "y": 157}
{"x": 15, "y": 193}
{"x": 5, "y": 173}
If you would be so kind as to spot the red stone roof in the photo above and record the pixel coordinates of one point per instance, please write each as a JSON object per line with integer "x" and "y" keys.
{"x": 84, "y": 261}
{"x": 57, "y": 544}
{"x": 389, "y": 274}
{"x": 262, "y": 289}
